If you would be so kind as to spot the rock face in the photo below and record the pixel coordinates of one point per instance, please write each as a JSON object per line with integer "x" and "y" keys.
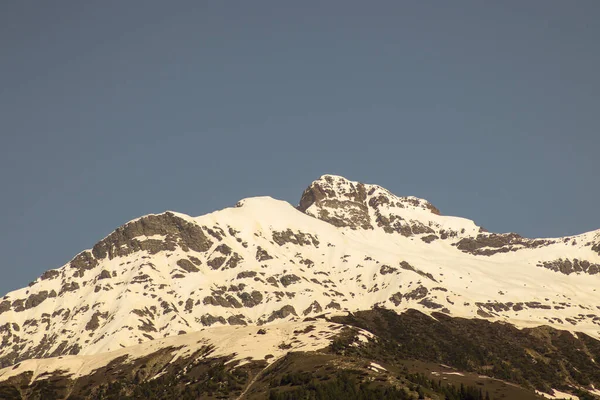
{"x": 153, "y": 233}
{"x": 348, "y": 246}
{"x": 343, "y": 203}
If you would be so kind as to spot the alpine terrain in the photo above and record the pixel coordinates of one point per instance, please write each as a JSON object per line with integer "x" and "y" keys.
{"x": 354, "y": 293}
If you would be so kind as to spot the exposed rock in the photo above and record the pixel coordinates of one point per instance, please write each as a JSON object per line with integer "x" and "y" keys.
{"x": 68, "y": 287}
{"x": 5, "y": 306}
{"x": 104, "y": 274}
{"x": 447, "y": 233}
{"x": 246, "y": 274}
{"x": 18, "y": 305}
{"x": 568, "y": 267}
{"x": 417, "y": 293}
{"x": 214, "y": 233}
{"x": 208, "y": 320}
{"x": 298, "y": 238}
{"x": 178, "y": 305}
{"x": 490, "y": 244}
{"x": 223, "y": 249}
{"x": 237, "y": 320}
{"x": 315, "y": 307}
{"x": 189, "y": 305}
{"x": 333, "y": 305}
{"x": 262, "y": 255}
{"x": 380, "y": 200}
{"x": 236, "y": 288}
{"x": 50, "y": 274}
{"x": 216, "y": 263}
{"x": 537, "y": 304}
{"x": 35, "y": 299}
{"x": 344, "y": 203}
{"x": 287, "y": 280}
{"x": 429, "y": 238}
{"x": 234, "y": 302}
{"x": 233, "y": 261}
{"x": 396, "y": 224}
{"x": 141, "y": 278}
{"x": 328, "y": 199}
{"x": 283, "y": 312}
{"x": 273, "y": 281}
{"x": 187, "y": 265}
{"x": 82, "y": 262}
{"x": 386, "y": 269}
{"x": 177, "y": 232}
{"x": 430, "y": 304}
{"x": 495, "y": 306}
{"x": 195, "y": 260}
{"x": 308, "y": 262}
{"x": 396, "y": 298}
{"x": 228, "y": 301}
{"x": 251, "y": 299}
{"x": 407, "y": 266}
{"x": 94, "y": 322}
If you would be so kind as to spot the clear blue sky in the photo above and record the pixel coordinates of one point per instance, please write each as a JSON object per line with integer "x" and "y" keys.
{"x": 114, "y": 109}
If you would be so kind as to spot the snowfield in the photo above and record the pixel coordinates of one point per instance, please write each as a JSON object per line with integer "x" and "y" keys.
{"x": 347, "y": 247}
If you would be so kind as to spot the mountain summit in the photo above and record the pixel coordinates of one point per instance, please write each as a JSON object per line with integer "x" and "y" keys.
{"x": 347, "y": 247}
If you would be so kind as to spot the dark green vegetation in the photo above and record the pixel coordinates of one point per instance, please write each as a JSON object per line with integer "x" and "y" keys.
{"x": 538, "y": 358}
{"x": 150, "y": 377}
{"x": 328, "y": 376}
{"x": 416, "y": 357}
{"x": 210, "y": 379}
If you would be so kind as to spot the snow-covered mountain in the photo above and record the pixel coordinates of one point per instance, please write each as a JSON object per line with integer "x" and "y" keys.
{"x": 348, "y": 246}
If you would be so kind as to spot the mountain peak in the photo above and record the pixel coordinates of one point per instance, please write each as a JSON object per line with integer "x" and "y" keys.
{"x": 347, "y": 246}
{"x": 346, "y": 203}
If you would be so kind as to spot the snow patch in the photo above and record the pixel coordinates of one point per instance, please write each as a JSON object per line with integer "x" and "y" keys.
{"x": 558, "y": 395}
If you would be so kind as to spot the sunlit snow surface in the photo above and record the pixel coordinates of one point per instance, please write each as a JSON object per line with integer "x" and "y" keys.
{"x": 558, "y": 395}
{"x": 242, "y": 343}
{"x": 337, "y": 267}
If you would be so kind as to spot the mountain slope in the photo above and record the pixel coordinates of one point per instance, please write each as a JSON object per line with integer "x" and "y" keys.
{"x": 347, "y": 247}
{"x": 375, "y": 353}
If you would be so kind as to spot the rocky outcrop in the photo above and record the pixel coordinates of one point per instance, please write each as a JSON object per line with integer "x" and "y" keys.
{"x": 341, "y": 203}
{"x": 487, "y": 244}
{"x": 262, "y": 254}
{"x": 596, "y": 248}
{"x": 165, "y": 274}
{"x": 132, "y": 237}
{"x": 297, "y": 238}
{"x": 344, "y": 203}
{"x": 251, "y": 299}
{"x": 314, "y": 308}
{"x": 567, "y": 266}
{"x": 283, "y": 312}
{"x": 187, "y": 265}
{"x": 289, "y": 279}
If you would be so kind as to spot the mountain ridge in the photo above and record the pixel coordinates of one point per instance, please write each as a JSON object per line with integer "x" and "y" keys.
{"x": 347, "y": 246}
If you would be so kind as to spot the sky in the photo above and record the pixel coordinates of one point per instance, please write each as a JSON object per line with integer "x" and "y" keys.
{"x": 115, "y": 109}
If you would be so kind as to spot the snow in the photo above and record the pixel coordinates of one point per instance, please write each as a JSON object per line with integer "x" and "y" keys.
{"x": 436, "y": 373}
{"x": 241, "y": 342}
{"x": 377, "y": 366}
{"x": 558, "y": 395}
{"x": 344, "y": 259}
{"x": 593, "y": 390}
